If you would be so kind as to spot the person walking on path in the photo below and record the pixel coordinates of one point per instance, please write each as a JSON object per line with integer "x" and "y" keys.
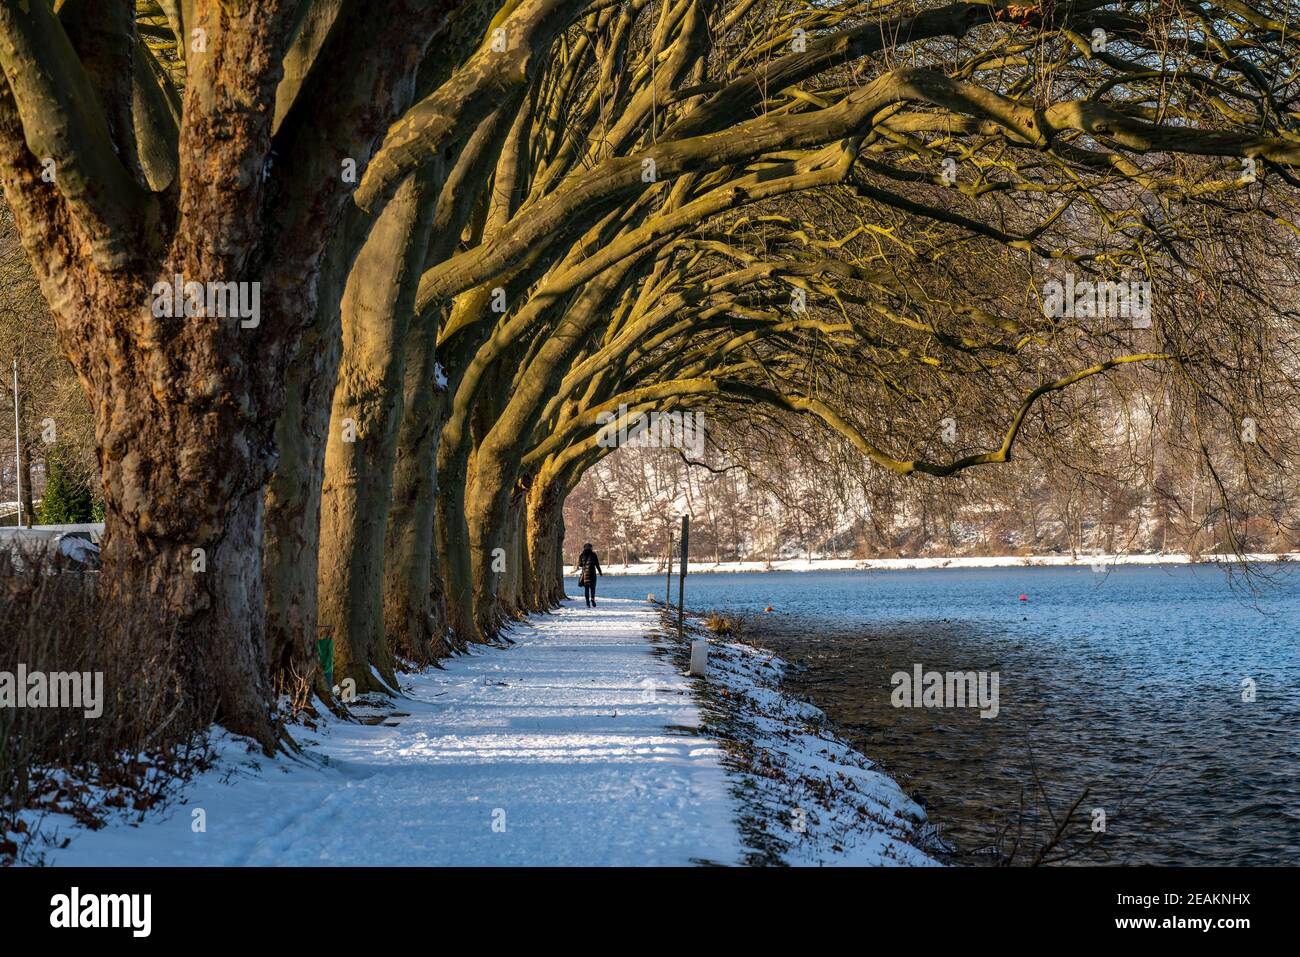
{"x": 588, "y": 569}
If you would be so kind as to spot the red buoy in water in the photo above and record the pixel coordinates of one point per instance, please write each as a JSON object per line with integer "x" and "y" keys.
{"x": 1024, "y": 598}
{"x": 769, "y": 608}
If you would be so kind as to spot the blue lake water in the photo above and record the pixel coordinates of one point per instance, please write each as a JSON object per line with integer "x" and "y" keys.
{"x": 1126, "y": 685}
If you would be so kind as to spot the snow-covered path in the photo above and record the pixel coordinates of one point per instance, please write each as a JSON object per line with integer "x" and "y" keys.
{"x": 572, "y": 747}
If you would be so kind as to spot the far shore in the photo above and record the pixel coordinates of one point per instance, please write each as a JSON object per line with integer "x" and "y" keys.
{"x": 983, "y": 561}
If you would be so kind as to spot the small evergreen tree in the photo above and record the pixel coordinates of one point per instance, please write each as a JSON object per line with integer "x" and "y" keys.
{"x": 67, "y": 500}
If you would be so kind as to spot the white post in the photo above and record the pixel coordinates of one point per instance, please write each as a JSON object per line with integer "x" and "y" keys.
{"x": 18, "y": 449}
{"x": 699, "y": 657}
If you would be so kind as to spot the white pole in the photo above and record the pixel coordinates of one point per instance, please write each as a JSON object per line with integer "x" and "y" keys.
{"x": 18, "y": 449}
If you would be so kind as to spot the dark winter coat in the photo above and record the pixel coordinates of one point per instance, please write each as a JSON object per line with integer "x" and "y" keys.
{"x": 589, "y": 567}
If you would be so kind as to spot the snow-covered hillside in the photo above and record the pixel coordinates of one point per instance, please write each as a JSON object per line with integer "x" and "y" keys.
{"x": 798, "y": 506}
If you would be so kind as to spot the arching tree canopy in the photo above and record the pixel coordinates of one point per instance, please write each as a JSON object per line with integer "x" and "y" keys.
{"x": 479, "y": 230}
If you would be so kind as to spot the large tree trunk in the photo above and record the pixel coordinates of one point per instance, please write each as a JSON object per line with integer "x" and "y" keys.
{"x": 499, "y": 454}
{"x": 366, "y": 415}
{"x": 486, "y": 531}
{"x": 414, "y": 615}
{"x": 197, "y": 584}
{"x": 513, "y": 561}
{"x": 455, "y": 468}
{"x": 415, "y": 602}
{"x": 452, "y": 538}
{"x": 187, "y": 403}
{"x": 557, "y": 551}
{"x": 490, "y": 484}
{"x": 545, "y": 587}
{"x": 292, "y": 536}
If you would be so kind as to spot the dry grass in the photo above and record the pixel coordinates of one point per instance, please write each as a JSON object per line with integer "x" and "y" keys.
{"x": 58, "y": 760}
{"x": 727, "y": 625}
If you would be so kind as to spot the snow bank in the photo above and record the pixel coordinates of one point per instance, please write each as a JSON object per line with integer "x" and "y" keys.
{"x": 808, "y": 797}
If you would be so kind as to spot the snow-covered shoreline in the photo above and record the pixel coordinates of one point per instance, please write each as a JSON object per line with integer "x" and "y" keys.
{"x": 807, "y": 797}
{"x": 903, "y": 564}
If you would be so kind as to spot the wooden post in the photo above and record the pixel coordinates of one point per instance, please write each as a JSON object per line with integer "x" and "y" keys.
{"x": 699, "y": 648}
{"x": 681, "y": 582}
{"x": 668, "y": 580}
